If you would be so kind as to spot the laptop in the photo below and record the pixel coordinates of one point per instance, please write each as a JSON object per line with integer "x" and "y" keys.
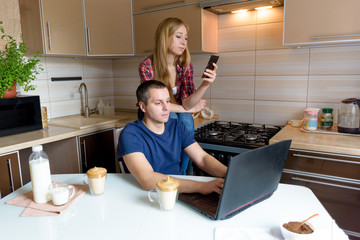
{"x": 251, "y": 177}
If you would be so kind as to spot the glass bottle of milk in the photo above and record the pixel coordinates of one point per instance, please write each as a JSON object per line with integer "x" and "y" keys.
{"x": 40, "y": 174}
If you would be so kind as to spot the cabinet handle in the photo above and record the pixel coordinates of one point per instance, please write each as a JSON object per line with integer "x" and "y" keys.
{"x": 325, "y": 158}
{"x": 336, "y": 36}
{"x": 325, "y": 183}
{"x": 11, "y": 174}
{"x": 85, "y": 158}
{"x": 163, "y": 5}
{"x": 49, "y": 34}
{"x": 89, "y": 42}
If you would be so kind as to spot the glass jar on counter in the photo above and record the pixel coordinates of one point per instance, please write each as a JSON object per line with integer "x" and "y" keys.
{"x": 326, "y": 118}
{"x": 311, "y": 119}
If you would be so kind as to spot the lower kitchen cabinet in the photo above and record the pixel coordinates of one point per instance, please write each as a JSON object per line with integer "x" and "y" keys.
{"x": 334, "y": 179}
{"x": 10, "y": 174}
{"x": 98, "y": 150}
{"x": 63, "y": 158}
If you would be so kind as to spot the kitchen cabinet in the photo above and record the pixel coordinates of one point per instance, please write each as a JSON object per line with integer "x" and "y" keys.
{"x": 109, "y": 27}
{"x": 58, "y": 27}
{"x": 141, "y": 6}
{"x": 203, "y": 25}
{"x": 321, "y": 22}
{"x": 10, "y": 175}
{"x": 334, "y": 179}
{"x": 53, "y": 27}
{"x": 97, "y": 150}
{"x": 63, "y": 158}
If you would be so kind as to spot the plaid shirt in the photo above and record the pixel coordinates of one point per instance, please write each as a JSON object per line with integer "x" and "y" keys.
{"x": 184, "y": 78}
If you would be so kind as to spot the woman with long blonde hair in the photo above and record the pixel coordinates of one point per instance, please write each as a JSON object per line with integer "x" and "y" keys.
{"x": 170, "y": 64}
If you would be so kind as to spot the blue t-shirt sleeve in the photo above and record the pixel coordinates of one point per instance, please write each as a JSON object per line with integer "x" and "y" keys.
{"x": 129, "y": 142}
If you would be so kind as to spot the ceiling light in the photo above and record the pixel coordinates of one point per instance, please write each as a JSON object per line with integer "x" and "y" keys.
{"x": 262, "y": 8}
{"x": 240, "y": 11}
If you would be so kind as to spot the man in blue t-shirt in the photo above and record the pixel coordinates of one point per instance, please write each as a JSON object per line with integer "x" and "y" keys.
{"x": 151, "y": 147}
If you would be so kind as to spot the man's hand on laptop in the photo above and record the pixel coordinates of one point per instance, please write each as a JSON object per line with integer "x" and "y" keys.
{"x": 212, "y": 186}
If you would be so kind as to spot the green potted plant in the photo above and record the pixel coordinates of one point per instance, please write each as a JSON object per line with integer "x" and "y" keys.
{"x": 15, "y": 67}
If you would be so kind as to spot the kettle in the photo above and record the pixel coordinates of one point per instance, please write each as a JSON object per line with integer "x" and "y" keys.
{"x": 349, "y": 116}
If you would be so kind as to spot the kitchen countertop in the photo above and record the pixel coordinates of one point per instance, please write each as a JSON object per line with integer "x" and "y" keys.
{"x": 124, "y": 212}
{"x": 72, "y": 126}
{"x": 322, "y": 142}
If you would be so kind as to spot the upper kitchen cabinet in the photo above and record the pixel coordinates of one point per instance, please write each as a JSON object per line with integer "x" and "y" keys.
{"x": 322, "y": 22}
{"x": 61, "y": 28}
{"x": 141, "y": 6}
{"x": 203, "y": 28}
{"x": 109, "y": 27}
{"x": 53, "y": 27}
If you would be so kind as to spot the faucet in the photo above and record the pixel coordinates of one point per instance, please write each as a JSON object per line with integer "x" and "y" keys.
{"x": 86, "y": 107}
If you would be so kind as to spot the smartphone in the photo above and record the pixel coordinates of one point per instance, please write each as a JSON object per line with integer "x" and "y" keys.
{"x": 213, "y": 59}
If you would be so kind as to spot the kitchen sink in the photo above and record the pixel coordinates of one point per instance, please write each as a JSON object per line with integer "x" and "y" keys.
{"x": 81, "y": 122}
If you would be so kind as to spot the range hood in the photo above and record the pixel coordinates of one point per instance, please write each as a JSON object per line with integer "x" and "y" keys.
{"x": 226, "y": 6}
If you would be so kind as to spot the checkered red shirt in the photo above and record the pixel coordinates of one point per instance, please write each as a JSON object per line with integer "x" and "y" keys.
{"x": 184, "y": 78}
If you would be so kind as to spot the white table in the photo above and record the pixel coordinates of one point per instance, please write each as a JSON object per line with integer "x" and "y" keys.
{"x": 124, "y": 212}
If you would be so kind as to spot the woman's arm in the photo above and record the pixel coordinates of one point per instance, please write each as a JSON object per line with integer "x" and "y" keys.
{"x": 195, "y": 97}
{"x": 180, "y": 109}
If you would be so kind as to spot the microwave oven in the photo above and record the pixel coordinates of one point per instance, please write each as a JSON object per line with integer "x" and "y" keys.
{"x": 19, "y": 115}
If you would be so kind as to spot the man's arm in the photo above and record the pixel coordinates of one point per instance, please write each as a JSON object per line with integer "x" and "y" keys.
{"x": 141, "y": 169}
{"x": 205, "y": 161}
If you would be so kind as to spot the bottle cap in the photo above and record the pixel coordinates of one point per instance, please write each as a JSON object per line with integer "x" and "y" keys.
{"x": 327, "y": 110}
{"x": 37, "y": 148}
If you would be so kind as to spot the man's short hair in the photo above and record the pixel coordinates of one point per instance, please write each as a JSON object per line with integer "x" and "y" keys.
{"x": 142, "y": 92}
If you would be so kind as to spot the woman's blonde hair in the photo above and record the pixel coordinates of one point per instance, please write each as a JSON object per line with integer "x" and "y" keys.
{"x": 164, "y": 31}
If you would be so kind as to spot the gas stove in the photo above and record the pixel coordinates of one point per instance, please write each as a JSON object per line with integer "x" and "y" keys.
{"x": 234, "y": 134}
{"x": 223, "y": 139}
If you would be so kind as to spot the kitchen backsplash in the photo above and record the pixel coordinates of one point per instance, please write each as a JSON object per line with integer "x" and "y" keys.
{"x": 258, "y": 79}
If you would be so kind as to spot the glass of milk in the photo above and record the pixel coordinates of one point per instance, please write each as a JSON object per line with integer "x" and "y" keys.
{"x": 166, "y": 193}
{"x": 61, "y": 193}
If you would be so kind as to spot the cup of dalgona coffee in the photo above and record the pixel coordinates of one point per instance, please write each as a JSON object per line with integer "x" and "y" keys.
{"x": 166, "y": 193}
{"x": 96, "y": 177}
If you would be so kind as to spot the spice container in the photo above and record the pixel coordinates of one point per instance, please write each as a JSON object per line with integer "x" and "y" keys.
{"x": 311, "y": 118}
{"x": 326, "y": 119}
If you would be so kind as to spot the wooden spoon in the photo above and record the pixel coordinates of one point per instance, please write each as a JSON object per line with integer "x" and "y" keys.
{"x": 302, "y": 223}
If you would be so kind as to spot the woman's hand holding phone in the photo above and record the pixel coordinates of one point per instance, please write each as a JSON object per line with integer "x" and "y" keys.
{"x": 209, "y": 74}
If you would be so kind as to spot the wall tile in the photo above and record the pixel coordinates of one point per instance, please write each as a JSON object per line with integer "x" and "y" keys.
{"x": 41, "y": 89}
{"x": 127, "y": 67}
{"x": 233, "y": 110}
{"x": 335, "y": 60}
{"x": 236, "y": 64}
{"x": 281, "y": 88}
{"x": 333, "y": 88}
{"x": 126, "y": 102}
{"x": 126, "y": 86}
{"x": 65, "y": 108}
{"x": 238, "y": 19}
{"x": 100, "y": 87}
{"x": 269, "y": 36}
{"x": 282, "y": 62}
{"x": 97, "y": 68}
{"x": 278, "y": 113}
{"x": 64, "y": 90}
{"x": 233, "y": 87}
{"x": 64, "y": 67}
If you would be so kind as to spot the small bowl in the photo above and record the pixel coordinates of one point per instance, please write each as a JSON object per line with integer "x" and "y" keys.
{"x": 296, "y": 123}
{"x": 288, "y": 235}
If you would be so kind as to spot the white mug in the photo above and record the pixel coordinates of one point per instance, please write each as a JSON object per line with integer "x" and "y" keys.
{"x": 61, "y": 193}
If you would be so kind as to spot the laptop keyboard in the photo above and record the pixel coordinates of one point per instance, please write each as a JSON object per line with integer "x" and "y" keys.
{"x": 205, "y": 203}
